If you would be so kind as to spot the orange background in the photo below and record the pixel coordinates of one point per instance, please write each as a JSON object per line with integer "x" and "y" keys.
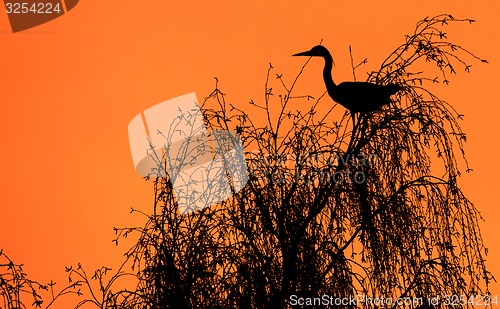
{"x": 70, "y": 87}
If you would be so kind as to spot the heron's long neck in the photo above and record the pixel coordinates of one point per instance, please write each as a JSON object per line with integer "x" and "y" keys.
{"x": 327, "y": 74}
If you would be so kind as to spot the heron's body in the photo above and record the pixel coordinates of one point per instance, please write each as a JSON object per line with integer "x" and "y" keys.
{"x": 362, "y": 97}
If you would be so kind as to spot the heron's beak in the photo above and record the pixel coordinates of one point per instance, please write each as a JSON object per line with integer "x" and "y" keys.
{"x": 307, "y": 53}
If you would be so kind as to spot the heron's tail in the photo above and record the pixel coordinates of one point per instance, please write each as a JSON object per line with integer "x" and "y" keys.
{"x": 392, "y": 88}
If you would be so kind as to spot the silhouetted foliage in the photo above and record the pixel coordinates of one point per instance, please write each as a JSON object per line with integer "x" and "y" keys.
{"x": 327, "y": 212}
{"x": 15, "y": 285}
{"x": 18, "y": 291}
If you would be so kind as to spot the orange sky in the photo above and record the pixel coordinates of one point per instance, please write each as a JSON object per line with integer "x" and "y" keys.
{"x": 70, "y": 87}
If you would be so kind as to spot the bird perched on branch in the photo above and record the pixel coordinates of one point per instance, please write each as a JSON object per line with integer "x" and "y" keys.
{"x": 357, "y": 97}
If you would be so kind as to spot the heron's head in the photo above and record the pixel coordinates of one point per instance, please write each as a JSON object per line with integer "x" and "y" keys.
{"x": 316, "y": 51}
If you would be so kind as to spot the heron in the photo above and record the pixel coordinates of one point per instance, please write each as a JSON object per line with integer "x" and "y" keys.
{"x": 357, "y": 97}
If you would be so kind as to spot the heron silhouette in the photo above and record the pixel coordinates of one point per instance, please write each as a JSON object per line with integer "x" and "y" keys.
{"x": 357, "y": 97}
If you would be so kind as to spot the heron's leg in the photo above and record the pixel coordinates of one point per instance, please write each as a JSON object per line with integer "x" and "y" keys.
{"x": 354, "y": 131}
{"x": 359, "y": 126}
{"x": 356, "y": 125}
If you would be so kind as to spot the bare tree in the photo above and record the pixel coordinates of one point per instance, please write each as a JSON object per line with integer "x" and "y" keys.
{"x": 376, "y": 212}
{"x": 370, "y": 211}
